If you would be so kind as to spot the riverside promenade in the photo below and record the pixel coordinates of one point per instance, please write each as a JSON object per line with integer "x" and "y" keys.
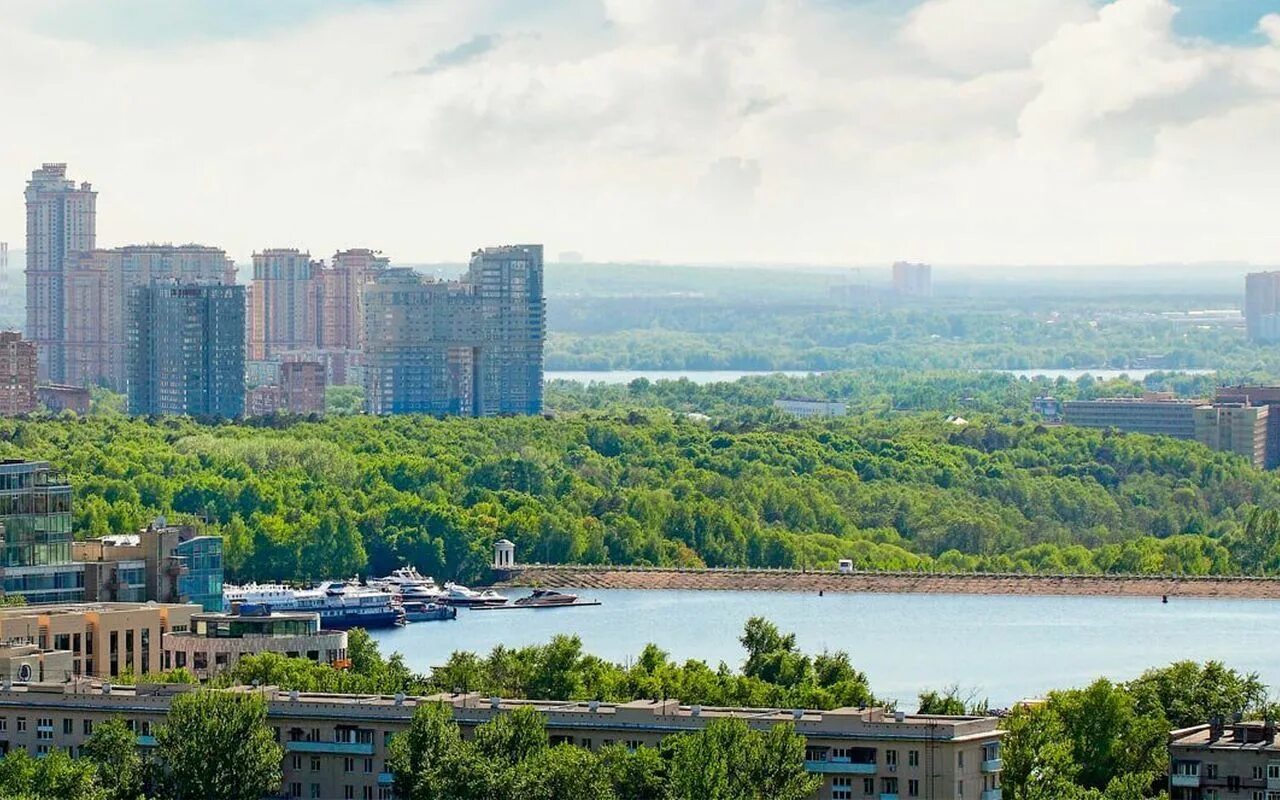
{"x": 776, "y": 580}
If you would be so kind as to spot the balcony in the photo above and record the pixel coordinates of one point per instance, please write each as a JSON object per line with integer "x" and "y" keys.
{"x": 840, "y": 767}
{"x": 992, "y": 794}
{"x": 386, "y": 779}
{"x": 993, "y": 765}
{"x": 1184, "y": 781}
{"x": 888, "y": 796}
{"x": 146, "y": 741}
{"x": 331, "y": 748}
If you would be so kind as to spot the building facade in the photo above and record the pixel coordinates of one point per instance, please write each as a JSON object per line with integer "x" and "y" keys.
{"x": 472, "y": 347}
{"x": 18, "y": 367}
{"x": 302, "y": 386}
{"x": 336, "y": 746}
{"x": 1224, "y": 761}
{"x": 1262, "y": 307}
{"x": 1237, "y": 428}
{"x": 912, "y": 280}
{"x": 186, "y": 350}
{"x": 1150, "y": 414}
{"x": 807, "y": 408}
{"x": 1268, "y": 396}
{"x": 35, "y": 521}
{"x": 97, "y": 287}
{"x": 215, "y": 642}
{"x": 342, "y": 286}
{"x": 162, "y": 563}
{"x": 105, "y": 640}
{"x": 60, "y": 397}
{"x": 284, "y": 304}
{"x": 61, "y": 221}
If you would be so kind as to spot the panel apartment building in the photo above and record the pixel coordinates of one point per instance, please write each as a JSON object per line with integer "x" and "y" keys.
{"x": 1225, "y": 761}
{"x": 61, "y": 221}
{"x": 186, "y": 350}
{"x": 337, "y": 745}
{"x": 472, "y": 347}
{"x": 18, "y": 367}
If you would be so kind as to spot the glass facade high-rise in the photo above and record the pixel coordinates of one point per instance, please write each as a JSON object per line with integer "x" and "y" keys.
{"x": 186, "y": 350}
{"x": 35, "y": 512}
{"x": 472, "y": 347}
{"x": 202, "y": 581}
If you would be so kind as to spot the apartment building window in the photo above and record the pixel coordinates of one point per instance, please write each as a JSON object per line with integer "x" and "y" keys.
{"x": 586, "y": 743}
{"x": 68, "y": 726}
{"x": 315, "y": 763}
{"x": 959, "y": 788}
{"x": 913, "y": 758}
{"x": 349, "y": 793}
{"x": 868, "y": 785}
{"x": 1273, "y": 772}
{"x": 295, "y": 790}
{"x": 44, "y": 728}
{"x": 62, "y": 641}
{"x": 913, "y": 788}
{"x": 146, "y": 650}
{"x": 297, "y": 762}
{"x": 841, "y": 788}
{"x": 1211, "y": 770}
{"x": 960, "y": 759}
{"x": 315, "y": 791}
{"x": 22, "y": 724}
{"x": 348, "y": 764}
{"x": 1233, "y": 783}
{"x": 4, "y": 724}
{"x": 1257, "y": 773}
{"x": 113, "y": 653}
{"x": 88, "y": 727}
{"x": 366, "y": 793}
{"x": 891, "y": 758}
{"x": 386, "y": 793}
{"x": 368, "y": 765}
{"x": 634, "y": 744}
{"x": 146, "y": 727}
{"x": 888, "y": 785}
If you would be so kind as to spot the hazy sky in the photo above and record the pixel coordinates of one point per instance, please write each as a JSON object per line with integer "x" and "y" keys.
{"x": 830, "y": 131}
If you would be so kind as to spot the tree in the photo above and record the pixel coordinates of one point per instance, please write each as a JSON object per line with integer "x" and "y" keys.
{"x": 113, "y": 749}
{"x": 563, "y": 772}
{"x": 729, "y": 761}
{"x": 638, "y": 774}
{"x": 54, "y": 776}
{"x": 215, "y": 745}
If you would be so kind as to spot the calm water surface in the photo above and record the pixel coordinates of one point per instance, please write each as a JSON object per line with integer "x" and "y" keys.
{"x": 1007, "y": 648}
{"x": 723, "y": 376}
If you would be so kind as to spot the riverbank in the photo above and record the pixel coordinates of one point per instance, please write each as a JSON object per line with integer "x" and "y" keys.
{"x": 584, "y": 577}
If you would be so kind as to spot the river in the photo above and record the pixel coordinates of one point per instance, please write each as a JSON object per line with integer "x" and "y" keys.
{"x": 704, "y": 376}
{"x": 1003, "y": 648}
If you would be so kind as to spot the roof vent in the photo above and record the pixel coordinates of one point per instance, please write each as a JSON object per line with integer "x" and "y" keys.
{"x": 899, "y": 716}
{"x": 797, "y": 713}
{"x": 293, "y": 695}
{"x": 695, "y": 711}
{"x": 399, "y": 698}
{"x": 593, "y": 706}
{"x": 106, "y": 688}
{"x": 495, "y": 702}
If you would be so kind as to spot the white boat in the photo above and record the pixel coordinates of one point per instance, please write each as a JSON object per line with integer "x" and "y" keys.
{"x": 340, "y": 604}
{"x": 409, "y": 585}
{"x": 418, "y": 611}
{"x": 455, "y": 594}
{"x": 547, "y": 598}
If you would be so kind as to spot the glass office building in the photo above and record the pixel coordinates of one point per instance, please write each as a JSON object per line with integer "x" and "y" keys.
{"x": 35, "y": 512}
{"x": 202, "y": 581}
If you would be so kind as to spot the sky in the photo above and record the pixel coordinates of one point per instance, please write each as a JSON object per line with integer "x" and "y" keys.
{"x": 841, "y": 132}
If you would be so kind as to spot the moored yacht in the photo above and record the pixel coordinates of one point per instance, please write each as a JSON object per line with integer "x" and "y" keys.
{"x": 456, "y": 594}
{"x": 547, "y": 597}
{"x": 409, "y": 585}
{"x": 340, "y": 604}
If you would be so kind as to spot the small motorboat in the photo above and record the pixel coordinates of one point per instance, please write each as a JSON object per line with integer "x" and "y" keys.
{"x": 547, "y": 597}
{"x": 456, "y": 594}
{"x": 417, "y": 611}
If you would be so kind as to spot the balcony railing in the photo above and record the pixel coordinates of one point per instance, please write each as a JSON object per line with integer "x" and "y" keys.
{"x": 834, "y": 767}
{"x": 331, "y": 748}
{"x": 992, "y": 794}
{"x": 993, "y": 765}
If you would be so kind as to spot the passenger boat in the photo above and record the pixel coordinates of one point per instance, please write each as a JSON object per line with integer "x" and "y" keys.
{"x": 409, "y": 585}
{"x": 547, "y": 597}
{"x": 340, "y": 604}
{"x": 418, "y": 611}
{"x": 456, "y": 594}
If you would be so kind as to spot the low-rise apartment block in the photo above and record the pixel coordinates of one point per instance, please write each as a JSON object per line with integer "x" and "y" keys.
{"x": 1155, "y": 414}
{"x": 215, "y": 642}
{"x": 337, "y": 745}
{"x": 1233, "y": 761}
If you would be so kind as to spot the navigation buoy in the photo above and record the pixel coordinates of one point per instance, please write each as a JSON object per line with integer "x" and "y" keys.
{"x": 819, "y": 593}
{"x": 1164, "y": 598}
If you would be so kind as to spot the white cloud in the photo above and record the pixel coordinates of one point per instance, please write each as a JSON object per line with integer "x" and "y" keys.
{"x": 786, "y": 130}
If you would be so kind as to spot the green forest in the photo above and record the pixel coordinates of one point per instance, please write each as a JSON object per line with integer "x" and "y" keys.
{"x": 305, "y": 500}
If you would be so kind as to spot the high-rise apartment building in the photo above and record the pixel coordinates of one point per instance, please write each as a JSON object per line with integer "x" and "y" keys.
{"x": 1262, "y": 306}
{"x": 342, "y": 297}
{"x": 1234, "y": 428}
{"x": 186, "y": 350}
{"x": 912, "y": 280}
{"x": 17, "y": 375}
{"x": 60, "y": 221}
{"x": 285, "y": 303}
{"x": 35, "y": 553}
{"x": 302, "y": 386}
{"x": 97, "y": 285}
{"x": 472, "y": 347}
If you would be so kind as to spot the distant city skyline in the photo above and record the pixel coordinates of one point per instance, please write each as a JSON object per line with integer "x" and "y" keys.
{"x": 815, "y": 131}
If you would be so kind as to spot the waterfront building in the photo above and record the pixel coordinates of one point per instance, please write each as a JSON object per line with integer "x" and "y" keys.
{"x": 1224, "y": 760}
{"x": 104, "y": 639}
{"x": 284, "y": 304}
{"x": 164, "y": 563}
{"x": 912, "y": 280}
{"x": 186, "y": 350}
{"x": 1152, "y": 413}
{"x": 35, "y": 519}
{"x": 472, "y": 347}
{"x": 337, "y": 745}
{"x": 808, "y": 408}
{"x": 1234, "y": 428}
{"x": 59, "y": 397}
{"x": 1262, "y": 307}
{"x": 216, "y": 641}
{"x": 61, "y": 221}
{"x": 18, "y": 365}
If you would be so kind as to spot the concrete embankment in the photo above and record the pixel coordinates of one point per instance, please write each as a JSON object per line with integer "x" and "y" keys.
{"x": 894, "y": 582}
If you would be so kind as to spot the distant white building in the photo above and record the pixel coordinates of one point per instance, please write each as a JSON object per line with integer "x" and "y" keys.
{"x": 811, "y": 408}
